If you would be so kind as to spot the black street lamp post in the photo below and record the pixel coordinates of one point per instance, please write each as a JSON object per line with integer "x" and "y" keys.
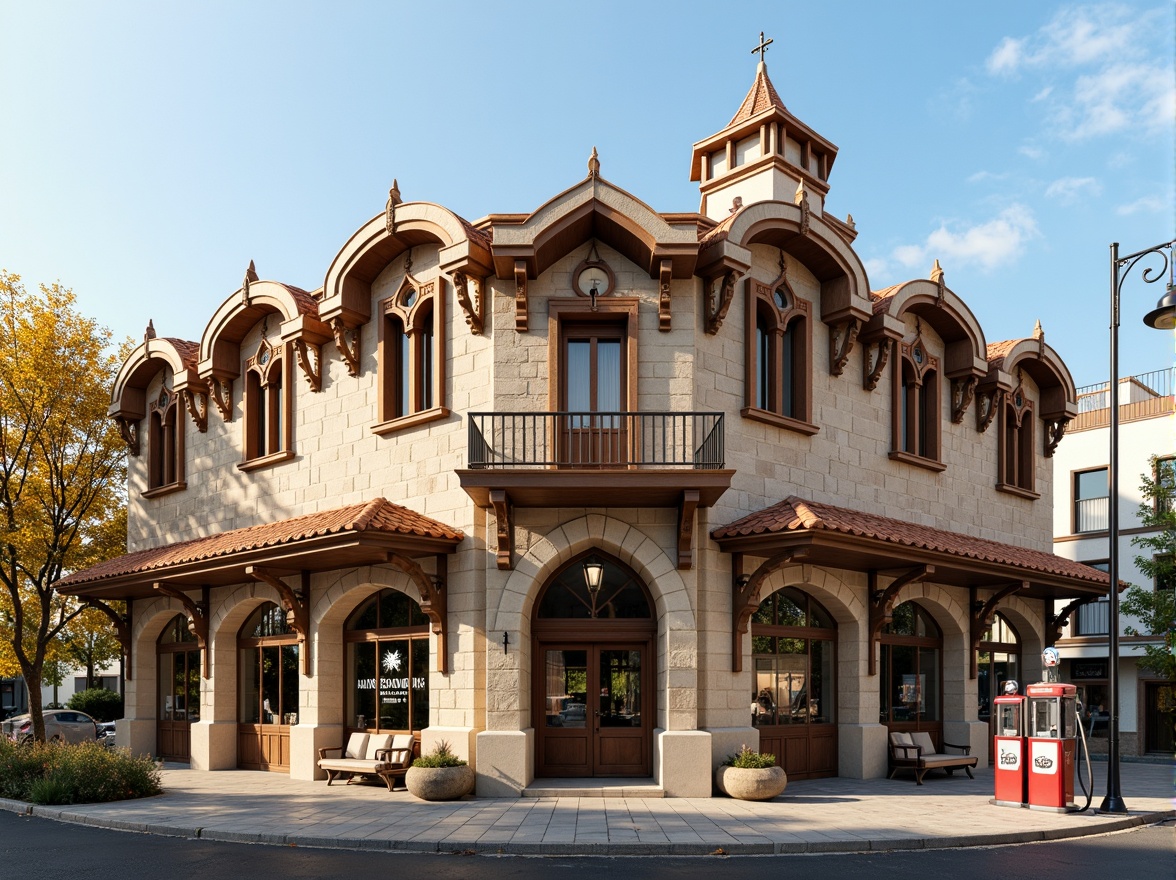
{"x": 1163, "y": 317}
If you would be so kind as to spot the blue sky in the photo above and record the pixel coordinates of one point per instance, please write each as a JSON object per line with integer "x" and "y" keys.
{"x": 151, "y": 150}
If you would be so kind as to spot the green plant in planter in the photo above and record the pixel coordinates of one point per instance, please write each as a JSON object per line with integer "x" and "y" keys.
{"x": 441, "y": 756}
{"x": 747, "y": 759}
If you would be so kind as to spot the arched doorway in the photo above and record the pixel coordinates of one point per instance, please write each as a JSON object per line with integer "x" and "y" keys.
{"x": 178, "y": 663}
{"x": 910, "y": 672}
{"x": 792, "y": 645}
{"x": 386, "y": 677}
{"x": 267, "y": 650}
{"x": 593, "y": 637}
{"x": 998, "y": 660}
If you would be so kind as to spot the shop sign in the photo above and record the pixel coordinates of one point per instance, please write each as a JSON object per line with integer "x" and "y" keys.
{"x": 1088, "y": 670}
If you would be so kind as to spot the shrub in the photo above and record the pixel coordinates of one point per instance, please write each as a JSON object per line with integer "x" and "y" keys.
{"x": 747, "y": 759}
{"x": 99, "y": 703}
{"x": 88, "y": 773}
{"x": 441, "y": 756}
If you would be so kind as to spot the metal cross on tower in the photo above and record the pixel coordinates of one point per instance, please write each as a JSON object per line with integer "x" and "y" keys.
{"x": 762, "y": 47}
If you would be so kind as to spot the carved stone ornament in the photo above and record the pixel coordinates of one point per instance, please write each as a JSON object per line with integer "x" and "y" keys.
{"x": 250, "y": 277}
{"x": 520, "y": 277}
{"x": 877, "y": 354}
{"x": 718, "y": 302}
{"x": 1055, "y": 429}
{"x": 805, "y": 211}
{"x": 987, "y": 403}
{"x": 842, "y": 337}
{"x": 312, "y": 371}
{"x": 349, "y": 352}
{"x": 197, "y": 404}
{"x": 663, "y": 296}
{"x": 390, "y": 207}
{"x": 474, "y": 314}
{"x": 128, "y": 429}
{"x": 221, "y": 391}
{"x": 963, "y": 390}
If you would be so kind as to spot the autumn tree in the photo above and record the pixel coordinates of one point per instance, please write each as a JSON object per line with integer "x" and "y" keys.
{"x": 1154, "y": 606}
{"x": 62, "y": 469}
{"x": 89, "y": 641}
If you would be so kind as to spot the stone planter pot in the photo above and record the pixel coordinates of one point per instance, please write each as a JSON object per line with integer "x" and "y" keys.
{"x": 751, "y": 785}
{"x": 440, "y": 783}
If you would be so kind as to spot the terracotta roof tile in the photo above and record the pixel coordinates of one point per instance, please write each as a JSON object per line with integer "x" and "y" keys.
{"x": 795, "y": 514}
{"x": 377, "y": 515}
{"x": 883, "y": 297}
{"x": 998, "y": 350}
{"x": 762, "y": 96}
{"x": 188, "y": 351}
{"x": 307, "y": 304}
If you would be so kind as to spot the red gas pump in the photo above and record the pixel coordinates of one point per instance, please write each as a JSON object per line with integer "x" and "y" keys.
{"x": 1053, "y": 728}
{"x": 1009, "y": 764}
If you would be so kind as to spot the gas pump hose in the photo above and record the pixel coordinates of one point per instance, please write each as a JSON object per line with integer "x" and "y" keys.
{"x": 1089, "y": 792}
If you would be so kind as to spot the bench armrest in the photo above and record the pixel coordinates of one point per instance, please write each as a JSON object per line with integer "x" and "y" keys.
{"x": 918, "y": 750}
{"x": 967, "y": 750}
{"x": 322, "y": 753}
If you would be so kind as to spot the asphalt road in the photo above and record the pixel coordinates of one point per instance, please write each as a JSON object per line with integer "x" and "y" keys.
{"x": 32, "y": 849}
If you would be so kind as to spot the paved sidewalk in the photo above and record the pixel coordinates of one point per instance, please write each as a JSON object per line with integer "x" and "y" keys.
{"x": 829, "y": 815}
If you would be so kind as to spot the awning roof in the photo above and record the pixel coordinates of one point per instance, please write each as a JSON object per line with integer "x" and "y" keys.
{"x": 845, "y": 538}
{"x": 345, "y": 537}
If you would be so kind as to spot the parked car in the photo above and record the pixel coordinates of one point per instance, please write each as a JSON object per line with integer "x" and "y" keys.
{"x": 106, "y": 733}
{"x": 61, "y": 725}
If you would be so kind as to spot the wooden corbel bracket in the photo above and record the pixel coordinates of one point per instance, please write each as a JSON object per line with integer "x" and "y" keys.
{"x": 128, "y": 429}
{"x": 963, "y": 390}
{"x": 988, "y": 401}
{"x": 665, "y": 274}
{"x": 312, "y": 367}
{"x": 982, "y": 613}
{"x": 718, "y": 304}
{"x": 882, "y": 604}
{"x": 520, "y": 277}
{"x": 433, "y": 604}
{"x": 197, "y": 403}
{"x": 745, "y": 597}
{"x": 1055, "y": 429}
{"x": 1055, "y": 622}
{"x": 348, "y": 351}
{"x": 197, "y": 618}
{"x": 504, "y": 528}
{"x": 877, "y": 354}
{"x": 122, "y": 629}
{"x": 221, "y": 391}
{"x": 297, "y": 607}
{"x": 472, "y": 306}
{"x": 686, "y": 508}
{"x": 842, "y": 337}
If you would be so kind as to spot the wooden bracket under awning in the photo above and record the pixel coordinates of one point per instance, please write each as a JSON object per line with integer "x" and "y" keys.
{"x": 197, "y": 618}
{"x": 433, "y": 604}
{"x": 982, "y": 614}
{"x": 881, "y": 603}
{"x": 297, "y": 607}
{"x": 122, "y": 630}
{"x": 745, "y": 597}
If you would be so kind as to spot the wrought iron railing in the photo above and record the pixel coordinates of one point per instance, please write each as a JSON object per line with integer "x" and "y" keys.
{"x": 596, "y": 440}
{"x": 1091, "y": 514}
{"x": 1092, "y": 619}
{"x": 1140, "y": 397}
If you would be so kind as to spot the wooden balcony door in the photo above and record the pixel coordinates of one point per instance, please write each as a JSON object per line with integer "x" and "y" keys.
{"x": 593, "y": 379}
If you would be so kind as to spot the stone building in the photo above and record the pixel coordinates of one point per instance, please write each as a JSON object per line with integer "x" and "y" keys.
{"x": 595, "y": 491}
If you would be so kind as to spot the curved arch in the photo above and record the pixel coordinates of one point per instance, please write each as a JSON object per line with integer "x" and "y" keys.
{"x": 128, "y": 397}
{"x": 1059, "y": 398}
{"x": 965, "y": 349}
{"x": 220, "y": 352}
{"x": 347, "y": 289}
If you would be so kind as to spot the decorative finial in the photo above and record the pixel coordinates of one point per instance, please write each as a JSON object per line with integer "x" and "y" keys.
{"x": 1038, "y": 333}
{"x": 594, "y": 164}
{"x": 390, "y": 207}
{"x": 250, "y": 277}
{"x": 736, "y": 204}
{"x": 149, "y": 333}
{"x": 762, "y": 47}
{"x": 849, "y": 221}
{"x": 937, "y": 278}
{"x": 801, "y": 194}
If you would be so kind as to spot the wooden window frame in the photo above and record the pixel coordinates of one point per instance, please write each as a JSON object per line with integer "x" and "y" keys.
{"x": 1074, "y": 499}
{"x": 613, "y": 310}
{"x": 916, "y": 407}
{"x": 792, "y": 317}
{"x": 1163, "y": 462}
{"x": 165, "y": 445}
{"x": 406, "y": 318}
{"x": 1016, "y": 457}
{"x": 268, "y": 397}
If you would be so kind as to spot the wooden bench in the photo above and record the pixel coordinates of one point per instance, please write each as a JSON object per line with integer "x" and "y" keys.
{"x": 385, "y": 756}
{"x": 916, "y": 751}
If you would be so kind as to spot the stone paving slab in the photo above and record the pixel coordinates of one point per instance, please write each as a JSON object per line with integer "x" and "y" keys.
{"x": 818, "y": 816}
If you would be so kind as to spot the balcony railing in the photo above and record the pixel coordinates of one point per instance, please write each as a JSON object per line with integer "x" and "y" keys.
{"x": 596, "y": 440}
{"x": 1091, "y": 620}
{"x": 1140, "y": 397}
{"x": 1091, "y": 514}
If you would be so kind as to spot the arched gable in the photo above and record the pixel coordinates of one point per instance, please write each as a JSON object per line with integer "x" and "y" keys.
{"x": 965, "y": 349}
{"x": 347, "y": 290}
{"x": 1059, "y": 398}
{"x": 593, "y": 209}
{"x": 128, "y": 397}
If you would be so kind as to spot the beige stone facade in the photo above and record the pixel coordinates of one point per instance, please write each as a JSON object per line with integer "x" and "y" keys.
{"x": 379, "y": 398}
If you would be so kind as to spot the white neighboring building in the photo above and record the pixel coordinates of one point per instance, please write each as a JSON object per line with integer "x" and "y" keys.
{"x": 1146, "y": 428}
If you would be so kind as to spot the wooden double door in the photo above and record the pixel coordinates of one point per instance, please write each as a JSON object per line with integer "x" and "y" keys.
{"x": 594, "y": 709}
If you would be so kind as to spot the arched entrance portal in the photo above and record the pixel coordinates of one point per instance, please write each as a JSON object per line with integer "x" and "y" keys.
{"x": 593, "y": 654}
{"x": 179, "y": 689}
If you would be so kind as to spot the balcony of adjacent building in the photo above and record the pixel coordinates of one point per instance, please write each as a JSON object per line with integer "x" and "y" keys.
{"x": 595, "y": 459}
{"x": 1144, "y": 396}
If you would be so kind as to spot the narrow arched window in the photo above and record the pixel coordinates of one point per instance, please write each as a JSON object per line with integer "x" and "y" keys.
{"x": 1016, "y": 458}
{"x": 165, "y": 442}
{"x": 266, "y": 423}
{"x": 412, "y": 357}
{"x": 915, "y": 420}
{"x": 778, "y": 375}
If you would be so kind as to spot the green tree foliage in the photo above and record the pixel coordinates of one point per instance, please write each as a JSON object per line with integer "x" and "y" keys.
{"x": 62, "y": 470}
{"x": 1154, "y": 605}
{"x": 99, "y": 703}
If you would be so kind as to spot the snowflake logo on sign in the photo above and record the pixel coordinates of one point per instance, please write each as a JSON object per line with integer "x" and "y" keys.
{"x": 392, "y": 661}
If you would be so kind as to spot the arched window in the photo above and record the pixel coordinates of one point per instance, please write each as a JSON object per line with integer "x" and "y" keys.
{"x": 910, "y": 675}
{"x": 998, "y": 661}
{"x": 1016, "y": 458}
{"x": 387, "y": 665}
{"x": 267, "y": 428}
{"x": 411, "y": 355}
{"x": 792, "y": 641}
{"x": 165, "y": 442}
{"x": 268, "y": 693}
{"x": 779, "y": 371}
{"x": 915, "y": 433}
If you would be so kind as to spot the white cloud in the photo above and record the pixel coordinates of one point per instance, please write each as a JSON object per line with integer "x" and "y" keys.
{"x": 989, "y": 245}
{"x": 982, "y": 176}
{"x": 1042, "y": 95}
{"x": 1147, "y": 204}
{"x": 1031, "y": 152}
{"x": 1006, "y": 57}
{"x": 1068, "y": 190}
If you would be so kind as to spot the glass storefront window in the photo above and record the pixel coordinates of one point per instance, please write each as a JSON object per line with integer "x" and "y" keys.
{"x": 268, "y": 669}
{"x": 909, "y": 672}
{"x": 792, "y": 639}
{"x": 387, "y": 665}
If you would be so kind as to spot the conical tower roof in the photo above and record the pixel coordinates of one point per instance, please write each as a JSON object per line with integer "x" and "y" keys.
{"x": 762, "y": 96}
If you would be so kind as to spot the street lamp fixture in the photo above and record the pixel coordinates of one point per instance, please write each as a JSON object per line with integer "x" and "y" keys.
{"x": 1163, "y": 317}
